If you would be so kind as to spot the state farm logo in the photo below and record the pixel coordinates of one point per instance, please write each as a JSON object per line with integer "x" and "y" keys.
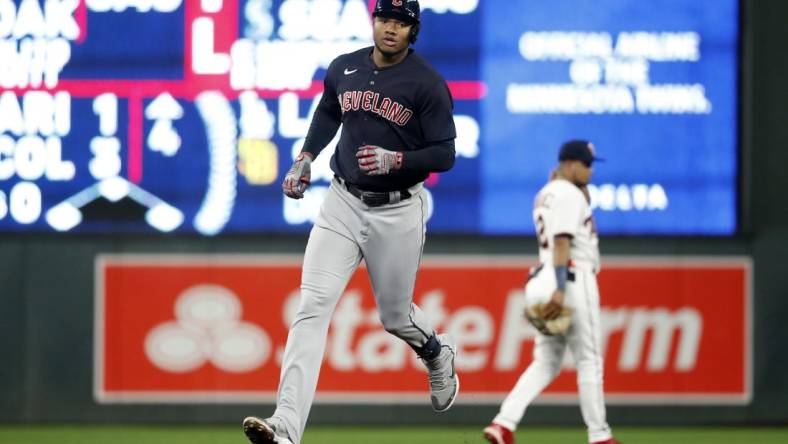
{"x": 207, "y": 328}
{"x": 212, "y": 330}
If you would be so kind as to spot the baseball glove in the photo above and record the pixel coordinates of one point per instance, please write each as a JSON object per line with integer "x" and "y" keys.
{"x": 557, "y": 326}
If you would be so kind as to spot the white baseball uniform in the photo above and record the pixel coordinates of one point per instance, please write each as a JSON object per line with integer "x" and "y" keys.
{"x": 561, "y": 208}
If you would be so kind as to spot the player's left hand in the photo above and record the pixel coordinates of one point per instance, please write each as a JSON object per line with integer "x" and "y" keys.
{"x": 374, "y": 160}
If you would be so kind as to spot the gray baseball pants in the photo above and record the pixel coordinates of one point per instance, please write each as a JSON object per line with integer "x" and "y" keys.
{"x": 390, "y": 239}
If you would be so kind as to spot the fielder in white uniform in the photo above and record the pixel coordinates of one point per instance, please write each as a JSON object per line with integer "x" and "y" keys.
{"x": 564, "y": 284}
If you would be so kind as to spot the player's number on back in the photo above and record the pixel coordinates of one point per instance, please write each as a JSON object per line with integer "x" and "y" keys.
{"x": 540, "y": 232}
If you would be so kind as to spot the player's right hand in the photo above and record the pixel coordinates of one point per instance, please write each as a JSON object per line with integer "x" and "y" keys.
{"x": 298, "y": 176}
{"x": 552, "y": 309}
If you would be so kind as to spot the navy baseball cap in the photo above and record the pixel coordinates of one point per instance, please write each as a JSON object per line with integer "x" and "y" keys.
{"x": 581, "y": 150}
{"x": 408, "y": 11}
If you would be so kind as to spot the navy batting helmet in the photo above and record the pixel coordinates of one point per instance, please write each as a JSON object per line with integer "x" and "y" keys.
{"x": 408, "y": 11}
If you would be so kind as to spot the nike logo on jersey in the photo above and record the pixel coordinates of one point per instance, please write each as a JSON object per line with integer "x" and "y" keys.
{"x": 349, "y": 72}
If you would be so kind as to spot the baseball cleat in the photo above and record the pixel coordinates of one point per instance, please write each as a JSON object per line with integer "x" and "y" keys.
{"x": 498, "y": 434}
{"x": 265, "y": 431}
{"x": 444, "y": 383}
{"x": 608, "y": 441}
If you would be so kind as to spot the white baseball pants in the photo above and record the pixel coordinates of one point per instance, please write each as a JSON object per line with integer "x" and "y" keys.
{"x": 583, "y": 340}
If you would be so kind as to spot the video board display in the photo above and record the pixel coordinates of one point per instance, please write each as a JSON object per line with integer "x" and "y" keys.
{"x": 146, "y": 116}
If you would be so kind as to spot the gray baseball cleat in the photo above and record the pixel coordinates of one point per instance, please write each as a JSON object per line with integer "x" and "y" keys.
{"x": 444, "y": 382}
{"x": 265, "y": 431}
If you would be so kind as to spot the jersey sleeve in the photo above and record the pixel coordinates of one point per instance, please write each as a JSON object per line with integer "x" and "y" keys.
{"x": 329, "y": 82}
{"x": 329, "y": 103}
{"x": 436, "y": 114}
{"x": 433, "y": 158}
{"x": 327, "y": 117}
{"x": 567, "y": 209}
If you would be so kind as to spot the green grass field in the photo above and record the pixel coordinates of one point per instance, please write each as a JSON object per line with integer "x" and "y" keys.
{"x": 11, "y": 434}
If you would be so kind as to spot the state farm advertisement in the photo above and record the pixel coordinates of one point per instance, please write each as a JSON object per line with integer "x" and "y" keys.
{"x": 212, "y": 328}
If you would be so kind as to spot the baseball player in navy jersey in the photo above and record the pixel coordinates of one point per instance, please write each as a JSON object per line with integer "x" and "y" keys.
{"x": 563, "y": 286}
{"x": 397, "y": 127}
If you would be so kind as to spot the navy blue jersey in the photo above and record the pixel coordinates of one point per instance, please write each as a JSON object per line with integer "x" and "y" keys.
{"x": 404, "y": 107}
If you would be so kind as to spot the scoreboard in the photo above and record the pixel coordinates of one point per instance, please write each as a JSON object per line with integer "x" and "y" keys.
{"x": 148, "y": 116}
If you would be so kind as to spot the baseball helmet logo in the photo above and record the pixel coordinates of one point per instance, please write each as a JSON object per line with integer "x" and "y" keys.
{"x": 407, "y": 10}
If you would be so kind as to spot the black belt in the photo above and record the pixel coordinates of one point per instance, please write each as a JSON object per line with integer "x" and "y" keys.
{"x": 375, "y": 198}
{"x": 570, "y": 276}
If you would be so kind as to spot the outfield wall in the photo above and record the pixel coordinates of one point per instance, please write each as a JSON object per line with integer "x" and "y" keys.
{"x": 197, "y": 329}
{"x": 48, "y": 297}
